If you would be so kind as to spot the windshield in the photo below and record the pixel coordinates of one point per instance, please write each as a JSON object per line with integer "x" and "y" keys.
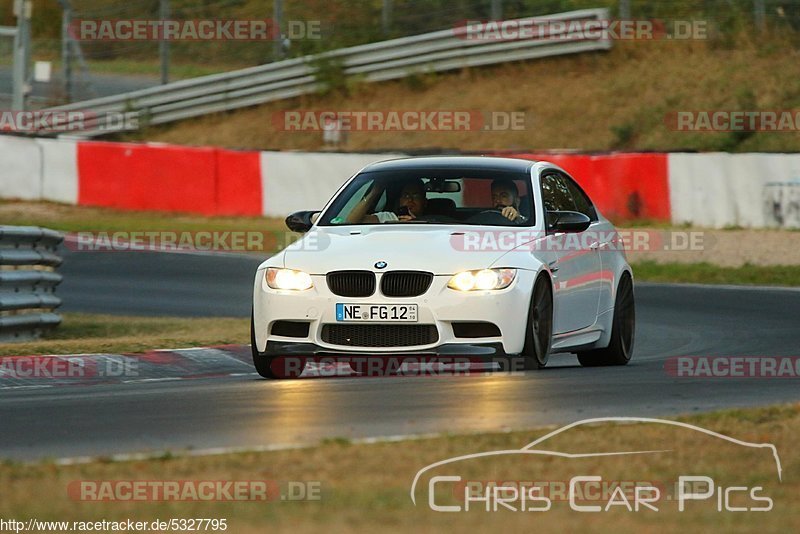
{"x": 436, "y": 196}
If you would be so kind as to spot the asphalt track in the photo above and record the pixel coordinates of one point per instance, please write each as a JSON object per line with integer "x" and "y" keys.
{"x": 150, "y": 283}
{"x": 99, "y": 85}
{"x": 244, "y": 411}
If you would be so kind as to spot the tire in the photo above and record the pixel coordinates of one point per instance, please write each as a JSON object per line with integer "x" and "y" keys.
{"x": 266, "y": 366}
{"x": 539, "y": 329}
{"x": 620, "y": 347}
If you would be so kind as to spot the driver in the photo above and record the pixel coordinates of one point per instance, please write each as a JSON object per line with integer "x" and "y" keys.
{"x": 505, "y": 198}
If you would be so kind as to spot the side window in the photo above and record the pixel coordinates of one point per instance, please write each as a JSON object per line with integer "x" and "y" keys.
{"x": 555, "y": 194}
{"x": 582, "y": 202}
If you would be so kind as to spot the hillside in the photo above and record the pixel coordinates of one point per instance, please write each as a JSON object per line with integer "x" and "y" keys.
{"x": 350, "y": 22}
{"x": 599, "y": 101}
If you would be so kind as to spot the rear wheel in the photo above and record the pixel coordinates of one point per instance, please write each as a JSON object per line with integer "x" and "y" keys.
{"x": 539, "y": 331}
{"x": 620, "y": 348}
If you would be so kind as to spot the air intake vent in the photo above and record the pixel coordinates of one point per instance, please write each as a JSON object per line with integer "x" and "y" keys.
{"x": 473, "y": 330}
{"x": 379, "y": 335}
{"x": 405, "y": 283}
{"x": 351, "y": 283}
{"x": 290, "y": 329}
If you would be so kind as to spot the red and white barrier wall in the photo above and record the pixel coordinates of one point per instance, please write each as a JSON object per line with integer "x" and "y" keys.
{"x": 713, "y": 190}
{"x": 208, "y": 181}
{"x": 294, "y": 181}
{"x": 749, "y": 190}
{"x": 624, "y": 186}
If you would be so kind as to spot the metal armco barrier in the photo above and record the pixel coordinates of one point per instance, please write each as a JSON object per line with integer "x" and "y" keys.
{"x": 28, "y": 258}
{"x": 386, "y": 60}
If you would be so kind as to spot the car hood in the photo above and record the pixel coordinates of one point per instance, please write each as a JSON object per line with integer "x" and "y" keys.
{"x": 424, "y": 247}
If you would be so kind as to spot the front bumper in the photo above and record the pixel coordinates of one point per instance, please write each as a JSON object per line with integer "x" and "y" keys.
{"x": 452, "y": 350}
{"x": 290, "y": 360}
{"x": 438, "y": 306}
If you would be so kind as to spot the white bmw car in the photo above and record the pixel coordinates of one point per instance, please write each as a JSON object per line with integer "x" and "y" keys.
{"x": 493, "y": 259}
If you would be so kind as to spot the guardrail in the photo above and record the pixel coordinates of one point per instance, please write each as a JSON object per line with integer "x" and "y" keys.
{"x": 28, "y": 258}
{"x": 430, "y": 52}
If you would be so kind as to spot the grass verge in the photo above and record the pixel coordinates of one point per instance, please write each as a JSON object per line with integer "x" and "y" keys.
{"x": 273, "y": 234}
{"x": 177, "y": 71}
{"x": 365, "y": 487}
{"x": 89, "y": 333}
{"x": 706, "y": 273}
{"x": 147, "y": 68}
{"x": 66, "y": 218}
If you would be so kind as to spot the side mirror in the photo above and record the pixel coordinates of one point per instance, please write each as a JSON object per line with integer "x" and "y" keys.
{"x": 301, "y": 221}
{"x": 567, "y": 221}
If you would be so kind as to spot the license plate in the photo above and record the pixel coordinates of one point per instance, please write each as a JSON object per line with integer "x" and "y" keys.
{"x": 406, "y": 313}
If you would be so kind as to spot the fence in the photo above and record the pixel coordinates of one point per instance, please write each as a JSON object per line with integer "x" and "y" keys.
{"x": 28, "y": 258}
{"x": 387, "y": 60}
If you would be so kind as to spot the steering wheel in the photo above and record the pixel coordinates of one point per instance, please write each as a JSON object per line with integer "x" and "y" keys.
{"x": 437, "y": 218}
{"x": 492, "y": 216}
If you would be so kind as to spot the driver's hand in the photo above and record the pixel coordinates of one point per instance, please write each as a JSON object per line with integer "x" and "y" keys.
{"x": 510, "y": 213}
{"x": 409, "y": 217}
{"x": 375, "y": 191}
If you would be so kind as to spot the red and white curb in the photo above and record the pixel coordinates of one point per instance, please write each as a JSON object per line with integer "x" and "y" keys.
{"x": 43, "y": 371}
{"x": 163, "y": 365}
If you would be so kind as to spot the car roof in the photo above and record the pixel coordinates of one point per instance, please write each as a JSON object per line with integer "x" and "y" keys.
{"x": 486, "y": 163}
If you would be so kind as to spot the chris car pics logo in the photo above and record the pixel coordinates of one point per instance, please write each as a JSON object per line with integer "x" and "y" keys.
{"x": 445, "y": 488}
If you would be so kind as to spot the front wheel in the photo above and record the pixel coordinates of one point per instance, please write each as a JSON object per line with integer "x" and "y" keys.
{"x": 273, "y": 368}
{"x": 620, "y": 348}
{"x": 539, "y": 330}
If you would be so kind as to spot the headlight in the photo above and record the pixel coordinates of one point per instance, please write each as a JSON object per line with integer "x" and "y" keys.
{"x": 288, "y": 279}
{"x": 482, "y": 280}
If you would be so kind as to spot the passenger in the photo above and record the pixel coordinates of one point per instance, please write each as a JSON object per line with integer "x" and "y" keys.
{"x": 411, "y": 204}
